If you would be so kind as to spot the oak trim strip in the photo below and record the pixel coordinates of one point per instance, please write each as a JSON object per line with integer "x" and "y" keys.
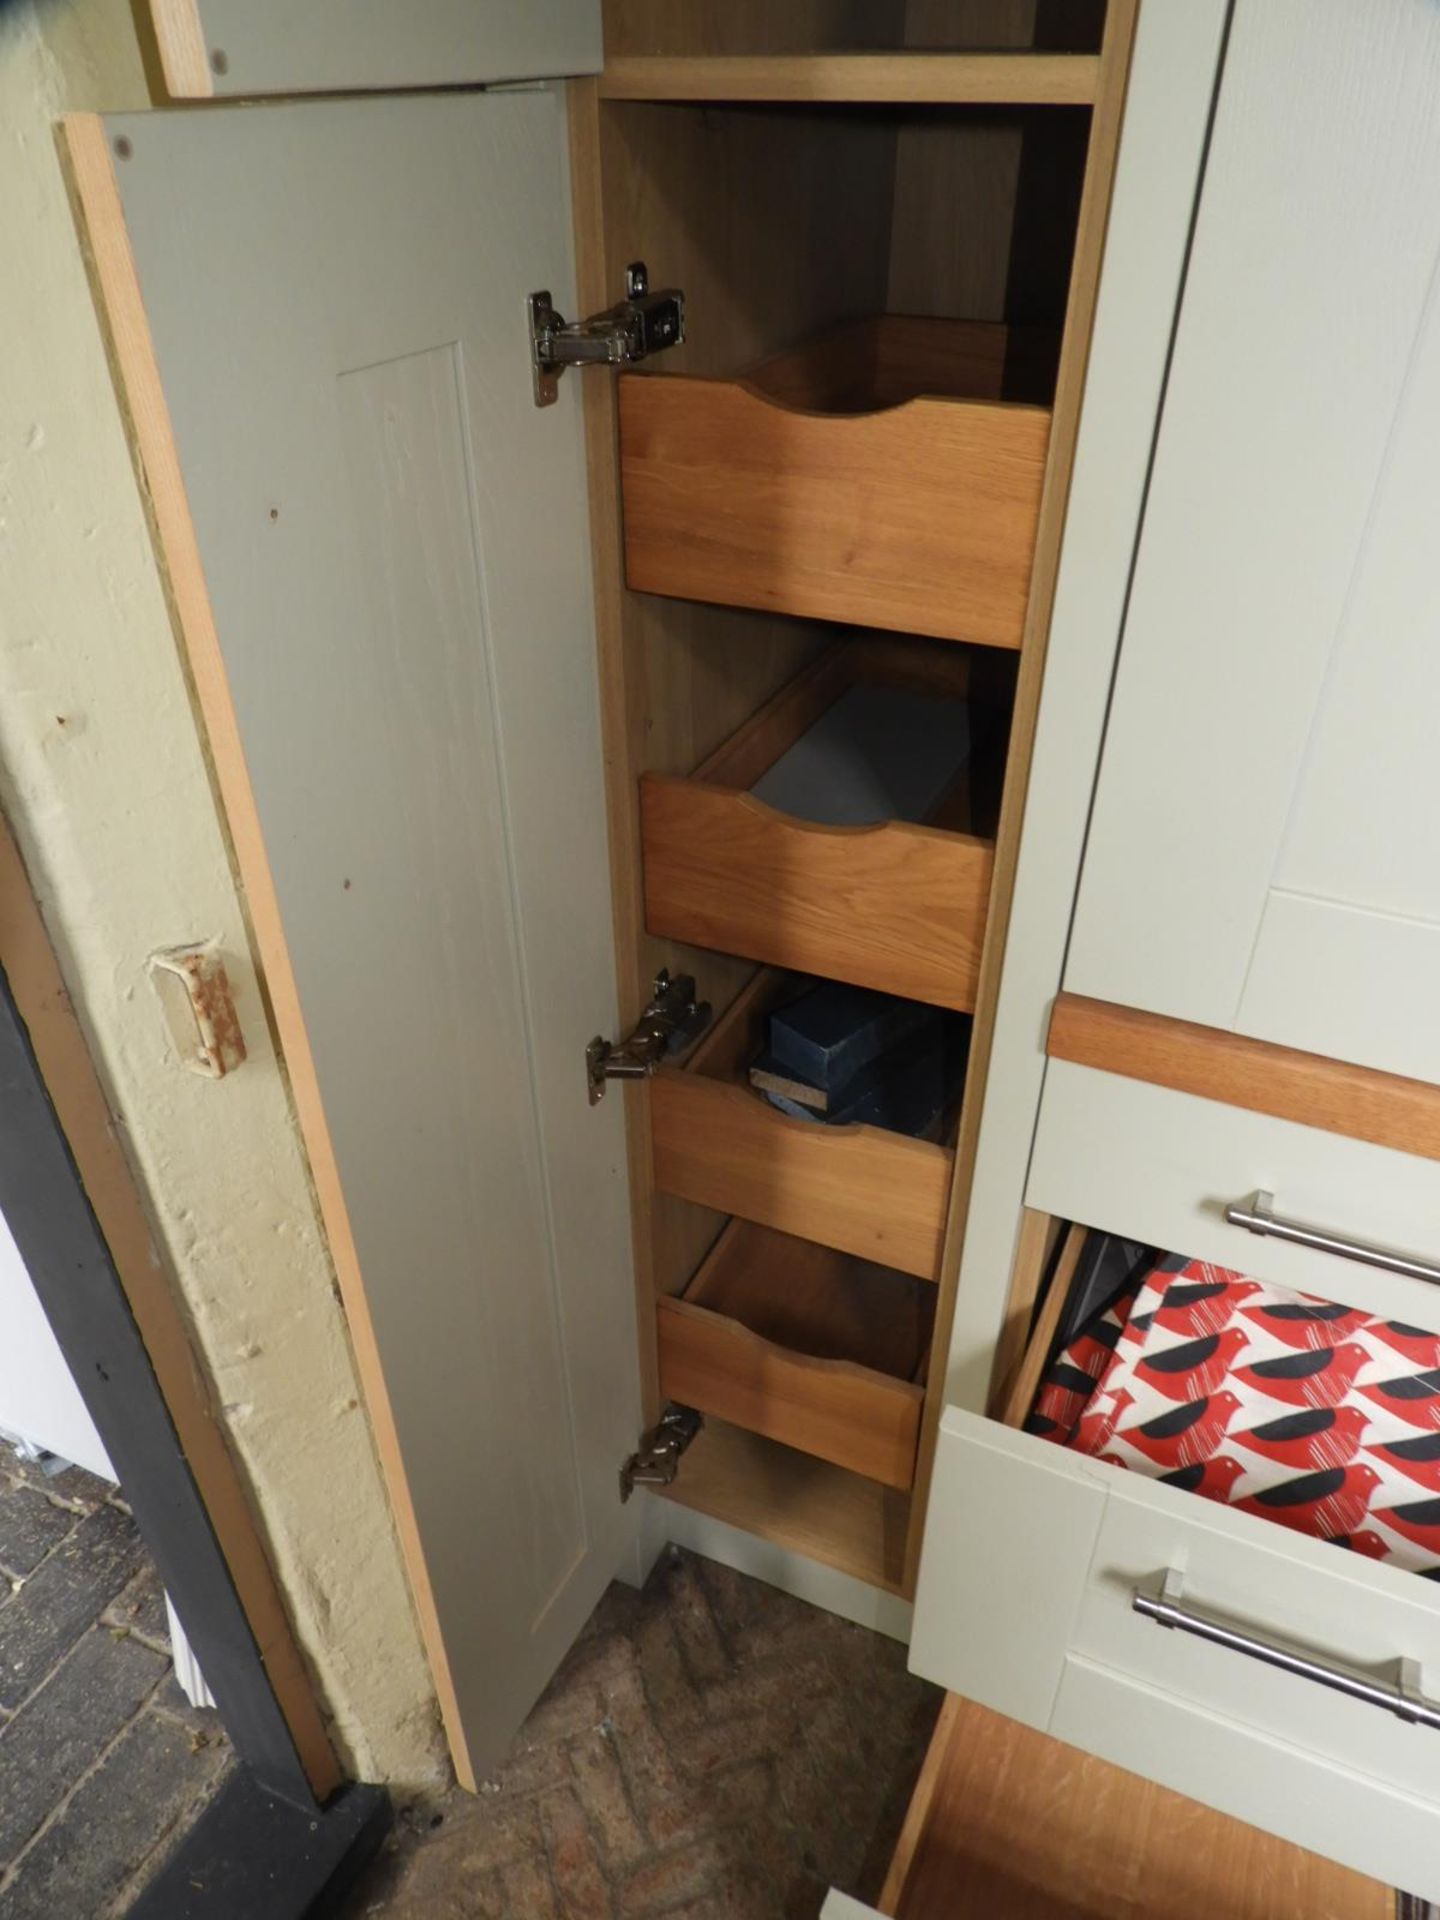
{"x": 1021, "y": 1389}
{"x": 1387, "y": 1109}
{"x": 917, "y": 1814}
{"x": 936, "y": 79}
{"x": 622, "y": 705}
{"x": 184, "y": 57}
{"x": 122, "y": 313}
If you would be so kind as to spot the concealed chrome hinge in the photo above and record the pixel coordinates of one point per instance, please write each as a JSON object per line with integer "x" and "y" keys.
{"x": 643, "y": 323}
{"x": 656, "y": 1461}
{"x": 671, "y": 1021}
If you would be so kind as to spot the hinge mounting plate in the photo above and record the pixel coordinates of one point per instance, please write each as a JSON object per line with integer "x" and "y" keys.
{"x": 656, "y": 1461}
{"x": 671, "y": 1020}
{"x": 639, "y": 325}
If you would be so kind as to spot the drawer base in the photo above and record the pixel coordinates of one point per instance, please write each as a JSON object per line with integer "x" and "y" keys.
{"x": 1110, "y": 1843}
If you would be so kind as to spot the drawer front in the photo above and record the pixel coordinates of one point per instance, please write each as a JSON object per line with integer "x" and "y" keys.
{"x": 897, "y": 907}
{"x": 919, "y": 518}
{"x": 1033, "y": 1557}
{"x": 1162, "y": 1166}
{"x": 878, "y": 1195}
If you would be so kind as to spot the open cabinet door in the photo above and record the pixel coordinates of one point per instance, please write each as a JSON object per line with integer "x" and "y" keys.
{"x": 379, "y": 552}
{"x": 212, "y": 47}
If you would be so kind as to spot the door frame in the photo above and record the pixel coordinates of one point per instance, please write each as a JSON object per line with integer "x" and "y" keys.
{"x": 89, "y": 145}
{"x": 71, "y": 1202}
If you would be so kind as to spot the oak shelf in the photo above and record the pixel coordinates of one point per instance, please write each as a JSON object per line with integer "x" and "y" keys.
{"x": 841, "y": 1519}
{"x": 922, "y": 79}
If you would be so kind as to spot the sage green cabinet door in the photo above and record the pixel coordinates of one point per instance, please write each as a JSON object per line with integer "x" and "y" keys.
{"x": 245, "y": 47}
{"x": 402, "y": 684}
{"x": 1264, "y": 854}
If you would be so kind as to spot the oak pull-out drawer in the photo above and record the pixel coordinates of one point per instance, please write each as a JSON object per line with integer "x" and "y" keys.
{"x": 1035, "y": 1559}
{"x": 898, "y": 905}
{"x": 880, "y": 1195}
{"x": 1163, "y": 1167}
{"x": 874, "y": 476}
{"x": 805, "y": 1345}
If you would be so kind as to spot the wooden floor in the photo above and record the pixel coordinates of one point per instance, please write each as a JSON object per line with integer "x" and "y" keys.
{"x": 711, "y": 1749}
{"x": 1008, "y": 1824}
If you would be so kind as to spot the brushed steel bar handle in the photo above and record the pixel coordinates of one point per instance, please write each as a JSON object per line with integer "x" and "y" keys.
{"x": 1257, "y": 1215}
{"x": 1402, "y": 1696}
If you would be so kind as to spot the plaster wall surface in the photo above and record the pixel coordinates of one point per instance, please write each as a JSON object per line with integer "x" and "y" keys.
{"x": 103, "y": 777}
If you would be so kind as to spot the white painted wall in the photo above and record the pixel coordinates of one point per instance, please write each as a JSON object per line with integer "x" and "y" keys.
{"x": 39, "y": 1400}
{"x": 102, "y": 776}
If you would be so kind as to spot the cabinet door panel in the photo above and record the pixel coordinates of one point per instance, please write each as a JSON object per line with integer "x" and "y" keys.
{"x": 1348, "y": 981}
{"x": 1266, "y": 735}
{"x": 1348, "y": 950}
{"x": 216, "y": 47}
{"x": 393, "y": 643}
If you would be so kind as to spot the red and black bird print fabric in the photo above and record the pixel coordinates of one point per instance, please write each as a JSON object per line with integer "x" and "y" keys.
{"x": 1313, "y": 1416}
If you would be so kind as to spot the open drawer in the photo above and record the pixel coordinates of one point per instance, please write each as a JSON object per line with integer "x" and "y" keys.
{"x": 899, "y": 905}
{"x": 804, "y": 1345}
{"x": 860, "y": 1189}
{"x": 875, "y": 476}
{"x": 1035, "y": 1559}
{"x": 1155, "y": 1589}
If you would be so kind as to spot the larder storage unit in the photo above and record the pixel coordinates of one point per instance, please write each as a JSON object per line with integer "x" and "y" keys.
{"x": 836, "y": 483}
{"x": 1241, "y": 1068}
{"x": 819, "y": 538}
{"x": 818, "y": 543}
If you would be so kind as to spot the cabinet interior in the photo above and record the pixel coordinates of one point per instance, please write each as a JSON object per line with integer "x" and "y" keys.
{"x": 1231, "y": 1388}
{"x": 782, "y": 221}
{"x": 789, "y": 225}
{"x": 657, "y": 27}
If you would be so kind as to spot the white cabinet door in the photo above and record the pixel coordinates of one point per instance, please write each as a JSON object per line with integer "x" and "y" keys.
{"x": 216, "y": 47}
{"x": 1264, "y": 854}
{"x": 380, "y": 554}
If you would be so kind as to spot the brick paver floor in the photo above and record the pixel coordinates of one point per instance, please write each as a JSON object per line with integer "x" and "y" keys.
{"x": 103, "y": 1761}
{"x": 711, "y": 1750}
